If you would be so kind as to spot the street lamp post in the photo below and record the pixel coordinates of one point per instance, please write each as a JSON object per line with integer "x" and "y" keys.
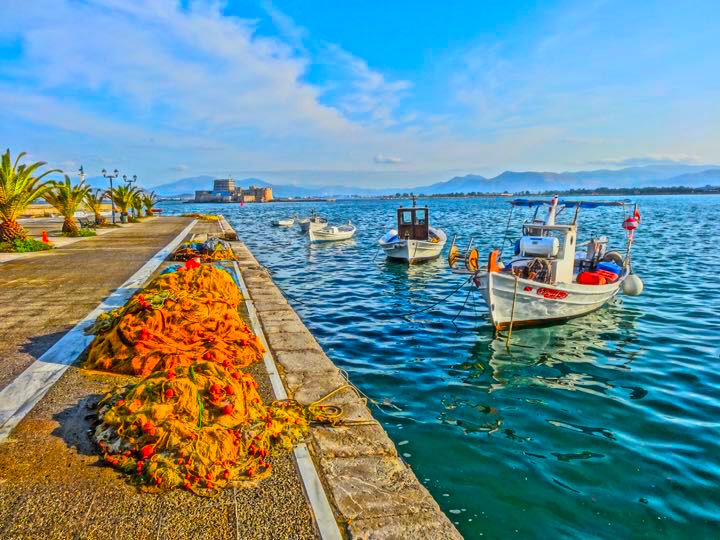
{"x": 112, "y": 201}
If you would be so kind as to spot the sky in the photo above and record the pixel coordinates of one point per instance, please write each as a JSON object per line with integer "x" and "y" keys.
{"x": 369, "y": 94}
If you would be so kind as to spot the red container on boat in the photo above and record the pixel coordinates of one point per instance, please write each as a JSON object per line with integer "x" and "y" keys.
{"x": 609, "y": 276}
{"x": 591, "y": 278}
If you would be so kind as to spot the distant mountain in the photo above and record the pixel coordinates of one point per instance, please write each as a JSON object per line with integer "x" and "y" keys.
{"x": 511, "y": 181}
{"x": 710, "y": 177}
{"x": 651, "y": 175}
{"x": 184, "y": 186}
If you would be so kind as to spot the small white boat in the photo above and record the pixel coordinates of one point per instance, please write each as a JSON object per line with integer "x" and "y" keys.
{"x": 289, "y": 222}
{"x": 548, "y": 280}
{"x": 413, "y": 240}
{"x": 314, "y": 222}
{"x": 331, "y": 233}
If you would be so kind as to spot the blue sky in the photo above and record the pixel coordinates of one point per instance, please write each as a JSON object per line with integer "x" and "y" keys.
{"x": 358, "y": 93}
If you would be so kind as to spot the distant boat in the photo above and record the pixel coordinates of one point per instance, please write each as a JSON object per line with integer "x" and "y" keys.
{"x": 413, "y": 240}
{"x": 288, "y": 222}
{"x": 548, "y": 280}
{"x": 332, "y": 233}
{"x": 314, "y": 222}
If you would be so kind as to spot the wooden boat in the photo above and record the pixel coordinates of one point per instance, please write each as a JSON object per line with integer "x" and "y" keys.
{"x": 313, "y": 222}
{"x": 414, "y": 240}
{"x": 332, "y": 233}
{"x": 548, "y": 279}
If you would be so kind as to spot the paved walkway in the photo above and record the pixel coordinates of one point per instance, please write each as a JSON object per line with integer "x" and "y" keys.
{"x": 43, "y": 296}
{"x": 53, "y": 484}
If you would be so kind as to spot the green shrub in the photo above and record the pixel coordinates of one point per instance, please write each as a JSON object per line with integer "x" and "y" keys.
{"x": 81, "y": 233}
{"x": 23, "y": 246}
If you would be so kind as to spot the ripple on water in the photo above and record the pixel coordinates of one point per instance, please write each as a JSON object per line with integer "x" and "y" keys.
{"x": 609, "y": 423}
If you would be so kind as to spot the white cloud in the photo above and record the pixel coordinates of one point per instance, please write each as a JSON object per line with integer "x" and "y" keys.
{"x": 387, "y": 160}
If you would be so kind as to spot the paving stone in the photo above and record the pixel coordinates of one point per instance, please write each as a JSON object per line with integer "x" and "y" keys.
{"x": 267, "y": 296}
{"x": 309, "y": 386}
{"x": 375, "y": 486}
{"x": 351, "y": 441}
{"x": 292, "y": 341}
{"x": 304, "y": 361}
{"x": 418, "y": 526}
{"x": 283, "y": 326}
{"x": 261, "y": 306}
{"x": 285, "y": 314}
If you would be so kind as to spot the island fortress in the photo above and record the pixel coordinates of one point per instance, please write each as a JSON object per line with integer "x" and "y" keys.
{"x": 224, "y": 190}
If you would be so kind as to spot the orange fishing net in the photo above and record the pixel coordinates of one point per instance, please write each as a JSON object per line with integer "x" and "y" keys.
{"x": 195, "y": 420}
{"x": 187, "y": 252}
{"x": 180, "y": 318}
{"x": 198, "y": 427}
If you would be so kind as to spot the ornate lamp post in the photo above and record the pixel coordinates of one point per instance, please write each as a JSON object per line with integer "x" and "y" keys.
{"x": 110, "y": 177}
{"x": 129, "y": 182}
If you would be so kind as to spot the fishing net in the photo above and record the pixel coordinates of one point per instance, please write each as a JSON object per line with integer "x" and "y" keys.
{"x": 198, "y": 427}
{"x": 180, "y": 318}
{"x": 213, "y": 250}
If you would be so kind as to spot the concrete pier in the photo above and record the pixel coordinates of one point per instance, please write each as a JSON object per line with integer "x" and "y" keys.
{"x": 53, "y": 483}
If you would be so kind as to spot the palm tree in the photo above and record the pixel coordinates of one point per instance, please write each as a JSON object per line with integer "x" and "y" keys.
{"x": 149, "y": 200}
{"x": 137, "y": 204}
{"x": 94, "y": 201}
{"x": 18, "y": 188}
{"x": 67, "y": 199}
{"x": 123, "y": 197}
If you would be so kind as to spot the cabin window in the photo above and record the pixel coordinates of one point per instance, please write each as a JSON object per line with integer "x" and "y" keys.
{"x": 406, "y": 217}
{"x": 421, "y": 217}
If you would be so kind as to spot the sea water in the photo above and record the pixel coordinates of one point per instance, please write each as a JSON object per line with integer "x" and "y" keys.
{"x": 606, "y": 426}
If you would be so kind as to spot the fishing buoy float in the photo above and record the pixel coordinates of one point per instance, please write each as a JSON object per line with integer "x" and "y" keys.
{"x": 633, "y": 285}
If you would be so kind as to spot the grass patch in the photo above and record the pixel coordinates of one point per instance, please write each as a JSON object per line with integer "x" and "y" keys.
{"x": 24, "y": 246}
{"x": 82, "y": 233}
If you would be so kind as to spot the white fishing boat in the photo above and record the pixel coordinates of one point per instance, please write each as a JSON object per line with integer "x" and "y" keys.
{"x": 288, "y": 222}
{"x": 313, "y": 222}
{"x": 414, "y": 240}
{"x": 551, "y": 278}
{"x": 331, "y": 233}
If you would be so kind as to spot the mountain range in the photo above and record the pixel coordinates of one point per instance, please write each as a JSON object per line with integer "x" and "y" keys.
{"x": 511, "y": 181}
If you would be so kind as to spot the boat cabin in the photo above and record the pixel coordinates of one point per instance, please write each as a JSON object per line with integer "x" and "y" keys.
{"x": 413, "y": 223}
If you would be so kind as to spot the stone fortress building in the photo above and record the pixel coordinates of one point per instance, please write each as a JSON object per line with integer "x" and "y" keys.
{"x": 225, "y": 190}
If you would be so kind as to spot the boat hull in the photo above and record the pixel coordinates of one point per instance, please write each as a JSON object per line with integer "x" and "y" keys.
{"x": 412, "y": 251}
{"x": 321, "y": 235}
{"x": 307, "y": 226}
{"x": 537, "y": 303}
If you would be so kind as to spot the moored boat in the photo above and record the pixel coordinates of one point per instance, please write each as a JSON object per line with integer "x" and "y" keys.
{"x": 548, "y": 279}
{"x": 288, "y": 222}
{"x": 414, "y": 240}
{"x": 313, "y": 222}
{"x": 331, "y": 233}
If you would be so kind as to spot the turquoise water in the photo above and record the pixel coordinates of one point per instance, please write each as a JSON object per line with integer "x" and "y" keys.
{"x": 607, "y": 426}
